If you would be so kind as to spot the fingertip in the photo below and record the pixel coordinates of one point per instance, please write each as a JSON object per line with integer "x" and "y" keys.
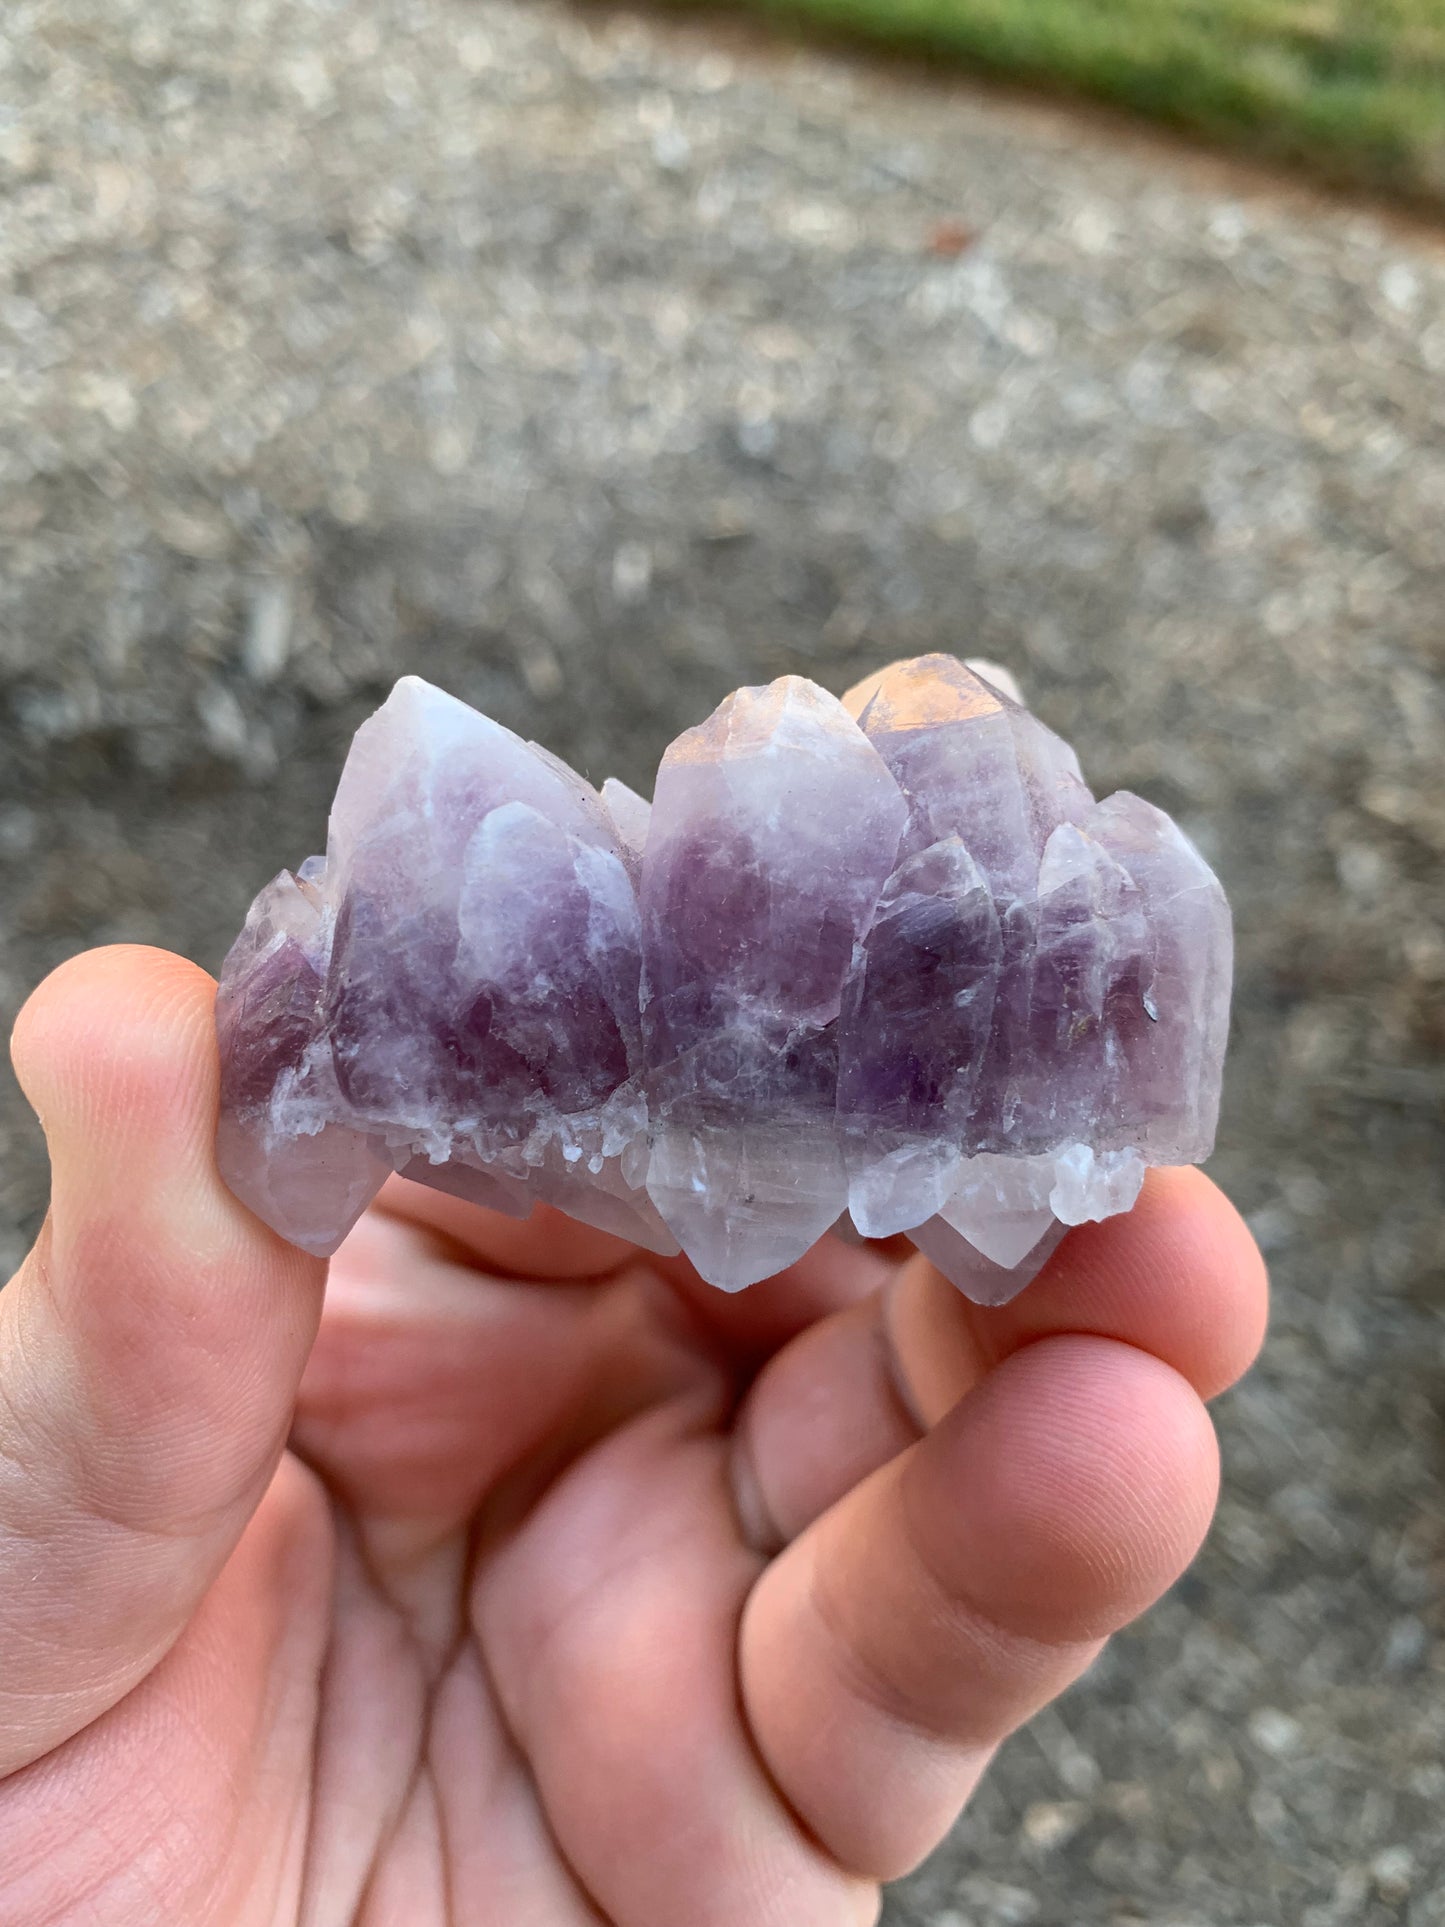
{"x": 1200, "y": 1232}
{"x": 172, "y": 1297}
{"x": 1180, "y": 1276}
{"x": 142, "y": 975}
{"x": 116, "y": 1050}
{"x": 124, "y": 1017}
{"x": 1079, "y": 1477}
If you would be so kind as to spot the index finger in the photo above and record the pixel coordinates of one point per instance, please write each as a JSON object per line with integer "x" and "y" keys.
{"x": 1179, "y": 1276}
{"x": 548, "y": 1246}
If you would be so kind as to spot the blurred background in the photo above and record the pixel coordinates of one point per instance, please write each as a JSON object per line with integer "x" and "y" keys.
{"x": 591, "y": 364}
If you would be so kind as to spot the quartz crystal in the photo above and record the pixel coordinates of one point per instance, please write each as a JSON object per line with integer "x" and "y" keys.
{"x": 884, "y": 957}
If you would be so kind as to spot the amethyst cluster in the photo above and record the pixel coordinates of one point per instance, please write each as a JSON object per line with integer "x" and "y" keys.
{"x": 885, "y": 956}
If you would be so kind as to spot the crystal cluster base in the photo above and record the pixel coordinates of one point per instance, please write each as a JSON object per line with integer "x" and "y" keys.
{"x": 884, "y": 957}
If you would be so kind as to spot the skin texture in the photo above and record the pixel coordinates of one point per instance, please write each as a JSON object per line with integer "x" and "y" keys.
{"x": 531, "y": 1580}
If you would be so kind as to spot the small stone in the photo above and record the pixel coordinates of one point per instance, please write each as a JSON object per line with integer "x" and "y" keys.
{"x": 1393, "y": 1872}
{"x": 884, "y": 956}
{"x": 1407, "y": 1644}
{"x": 632, "y": 572}
{"x": 1275, "y": 1732}
{"x": 267, "y": 641}
{"x": 1049, "y": 1824}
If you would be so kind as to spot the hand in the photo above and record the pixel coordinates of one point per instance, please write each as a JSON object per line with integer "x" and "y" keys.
{"x": 533, "y": 1583}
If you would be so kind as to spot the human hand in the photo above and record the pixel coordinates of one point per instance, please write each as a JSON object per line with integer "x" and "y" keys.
{"x": 533, "y": 1583}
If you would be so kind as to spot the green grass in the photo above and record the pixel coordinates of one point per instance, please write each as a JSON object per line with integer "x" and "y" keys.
{"x": 1353, "y": 87}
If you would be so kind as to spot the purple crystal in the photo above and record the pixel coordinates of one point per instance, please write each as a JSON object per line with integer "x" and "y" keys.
{"x": 750, "y": 918}
{"x": 885, "y": 955}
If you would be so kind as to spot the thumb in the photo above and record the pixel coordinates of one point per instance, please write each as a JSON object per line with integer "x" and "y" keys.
{"x": 150, "y": 1347}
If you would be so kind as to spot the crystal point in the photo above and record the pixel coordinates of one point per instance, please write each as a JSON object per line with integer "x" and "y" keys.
{"x": 885, "y": 955}
{"x": 750, "y": 916}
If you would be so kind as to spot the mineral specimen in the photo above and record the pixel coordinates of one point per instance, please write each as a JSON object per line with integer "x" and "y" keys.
{"x": 884, "y": 956}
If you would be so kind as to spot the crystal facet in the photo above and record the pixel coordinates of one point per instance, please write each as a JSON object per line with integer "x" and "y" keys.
{"x": 885, "y": 955}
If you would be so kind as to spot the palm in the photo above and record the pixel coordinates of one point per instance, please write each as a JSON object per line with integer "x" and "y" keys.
{"x": 504, "y": 1532}
{"x": 582, "y": 1593}
{"x": 532, "y": 1688}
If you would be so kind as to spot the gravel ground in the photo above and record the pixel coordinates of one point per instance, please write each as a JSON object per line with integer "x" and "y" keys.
{"x": 590, "y": 367}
